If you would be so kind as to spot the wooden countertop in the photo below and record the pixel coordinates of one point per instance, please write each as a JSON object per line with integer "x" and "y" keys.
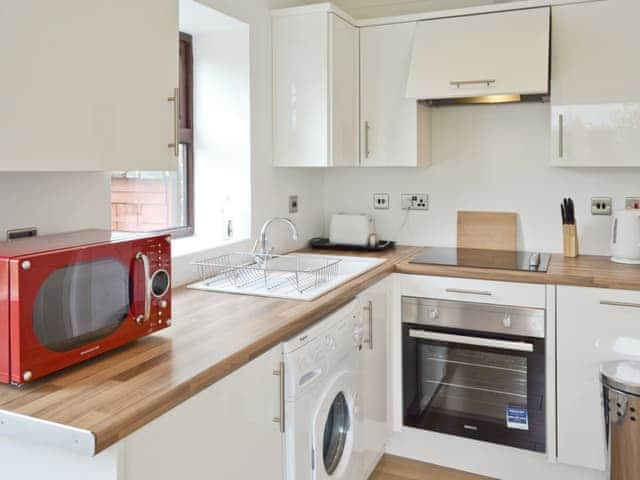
{"x": 583, "y": 271}
{"x": 212, "y": 335}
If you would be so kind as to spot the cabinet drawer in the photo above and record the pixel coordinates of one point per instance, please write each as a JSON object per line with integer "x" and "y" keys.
{"x": 478, "y": 291}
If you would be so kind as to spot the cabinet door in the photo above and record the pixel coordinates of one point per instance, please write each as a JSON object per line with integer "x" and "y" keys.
{"x": 491, "y": 54}
{"x": 395, "y": 130}
{"x": 226, "y": 431}
{"x": 595, "y": 114}
{"x": 344, "y": 92}
{"x": 595, "y": 135}
{"x": 300, "y": 93}
{"x": 592, "y": 44}
{"x": 86, "y": 84}
{"x": 375, "y": 304}
{"x": 593, "y": 326}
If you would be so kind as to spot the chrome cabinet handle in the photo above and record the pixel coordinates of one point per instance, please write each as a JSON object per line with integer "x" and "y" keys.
{"x": 611, "y": 303}
{"x": 367, "y": 130}
{"x": 561, "y": 135}
{"x": 476, "y": 341}
{"x": 176, "y": 118}
{"x": 280, "y": 419}
{"x": 369, "y": 309}
{"x": 469, "y": 292}
{"x": 459, "y": 83}
{"x": 146, "y": 265}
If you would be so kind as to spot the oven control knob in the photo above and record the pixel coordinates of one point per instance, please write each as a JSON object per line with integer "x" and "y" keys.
{"x": 163, "y": 304}
{"x": 27, "y": 376}
{"x": 140, "y": 319}
{"x": 507, "y": 321}
{"x": 434, "y": 313}
{"x": 26, "y": 265}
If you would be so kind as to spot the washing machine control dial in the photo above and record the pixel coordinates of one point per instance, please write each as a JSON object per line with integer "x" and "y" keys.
{"x": 358, "y": 335}
{"x": 330, "y": 342}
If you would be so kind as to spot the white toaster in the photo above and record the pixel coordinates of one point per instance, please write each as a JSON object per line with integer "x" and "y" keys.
{"x": 351, "y": 229}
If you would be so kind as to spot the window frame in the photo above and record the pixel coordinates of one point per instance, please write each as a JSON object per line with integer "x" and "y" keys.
{"x": 186, "y": 134}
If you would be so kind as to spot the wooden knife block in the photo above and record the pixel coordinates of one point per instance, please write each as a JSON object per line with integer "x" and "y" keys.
{"x": 570, "y": 240}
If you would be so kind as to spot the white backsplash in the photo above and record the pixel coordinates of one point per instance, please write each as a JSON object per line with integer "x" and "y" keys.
{"x": 54, "y": 202}
{"x": 486, "y": 158}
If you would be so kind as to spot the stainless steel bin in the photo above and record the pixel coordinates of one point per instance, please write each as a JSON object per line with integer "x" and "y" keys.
{"x": 621, "y": 393}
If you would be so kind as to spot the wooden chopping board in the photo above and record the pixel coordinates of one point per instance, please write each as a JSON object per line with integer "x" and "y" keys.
{"x": 488, "y": 230}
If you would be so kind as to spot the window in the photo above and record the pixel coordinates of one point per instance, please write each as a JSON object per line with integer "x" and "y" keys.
{"x": 163, "y": 200}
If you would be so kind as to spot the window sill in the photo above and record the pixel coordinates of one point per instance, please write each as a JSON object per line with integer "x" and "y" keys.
{"x": 186, "y": 250}
{"x": 194, "y": 244}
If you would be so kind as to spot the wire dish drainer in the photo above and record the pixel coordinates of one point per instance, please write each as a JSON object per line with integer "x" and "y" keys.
{"x": 274, "y": 272}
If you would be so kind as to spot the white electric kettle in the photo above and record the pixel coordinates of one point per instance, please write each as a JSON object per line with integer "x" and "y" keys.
{"x": 625, "y": 236}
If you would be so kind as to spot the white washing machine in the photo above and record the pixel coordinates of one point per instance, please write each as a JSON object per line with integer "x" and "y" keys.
{"x": 323, "y": 421}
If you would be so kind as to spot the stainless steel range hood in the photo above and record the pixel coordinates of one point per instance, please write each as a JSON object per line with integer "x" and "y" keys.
{"x": 482, "y": 59}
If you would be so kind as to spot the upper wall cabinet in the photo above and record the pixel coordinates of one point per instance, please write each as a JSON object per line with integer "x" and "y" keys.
{"x": 315, "y": 88}
{"x": 479, "y": 55}
{"x": 395, "y": 130}
{"x": 86, "y": 84}
{"x": 595, "y": 114}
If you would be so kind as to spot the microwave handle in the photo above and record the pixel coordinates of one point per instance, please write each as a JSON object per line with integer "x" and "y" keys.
{"x": 146, "y": 265}
{"x": 480, "y": 342}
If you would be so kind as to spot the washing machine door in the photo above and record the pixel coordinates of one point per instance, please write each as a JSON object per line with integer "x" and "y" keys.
{"x": 335, "y": 432}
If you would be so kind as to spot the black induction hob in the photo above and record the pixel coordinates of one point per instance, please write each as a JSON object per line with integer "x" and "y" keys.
{"x": 476, "y": 258}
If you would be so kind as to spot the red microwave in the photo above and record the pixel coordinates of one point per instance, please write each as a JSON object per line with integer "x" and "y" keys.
{"x": 70, "y": 297}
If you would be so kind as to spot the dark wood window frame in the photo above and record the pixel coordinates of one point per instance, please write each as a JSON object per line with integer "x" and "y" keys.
{"x": 186, "y": 129}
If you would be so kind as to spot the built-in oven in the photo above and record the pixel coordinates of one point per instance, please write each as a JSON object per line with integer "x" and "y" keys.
{"x": 475, "y": 370}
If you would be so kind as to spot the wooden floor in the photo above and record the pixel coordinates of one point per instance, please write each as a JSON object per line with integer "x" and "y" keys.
{"x": 397, "y": 468}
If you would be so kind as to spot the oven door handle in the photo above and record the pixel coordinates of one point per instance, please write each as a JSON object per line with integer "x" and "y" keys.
{"x": 477, "y": 341}
{"x": 146, "y": 265}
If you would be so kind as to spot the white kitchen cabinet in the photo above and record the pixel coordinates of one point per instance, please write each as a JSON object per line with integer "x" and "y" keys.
{"x": 86, "y": 84}
{"x": 375, "y": 304}
{"x": 315, "y": 88}
{"x": 593, "y": 326}
{"x": 595, "y": 101}
{"x": 395, "y": 131}
{"x": 492, "y": 54}
{"x": 226, "y": 432}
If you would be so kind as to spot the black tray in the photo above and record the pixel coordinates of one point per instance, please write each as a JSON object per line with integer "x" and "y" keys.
{"x": 323, "y": 243}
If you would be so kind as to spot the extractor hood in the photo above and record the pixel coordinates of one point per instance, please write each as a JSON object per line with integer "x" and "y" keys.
{"x": 490, "y": 58}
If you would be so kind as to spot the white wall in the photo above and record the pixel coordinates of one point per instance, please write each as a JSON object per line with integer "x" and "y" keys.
{"x": 222, "y": 124}
{"x": 54, "y": 202}
{"x": 486, "y": 158}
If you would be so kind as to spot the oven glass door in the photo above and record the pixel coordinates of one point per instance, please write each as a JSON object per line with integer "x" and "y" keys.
{"x": 486, "y": 387}
{"x": 81, "y": 303}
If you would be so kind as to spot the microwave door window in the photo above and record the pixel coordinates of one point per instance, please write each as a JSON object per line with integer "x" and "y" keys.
{"x": 81, "y": 303}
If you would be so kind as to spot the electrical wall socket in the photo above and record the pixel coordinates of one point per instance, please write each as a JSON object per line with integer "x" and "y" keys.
{"x": 414, "y": 201}
{"x": 381, "y": 201}
{"x": 601, "y": 206}
{"x": 293, "y": 204}
{"x": 632, "y": 202}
